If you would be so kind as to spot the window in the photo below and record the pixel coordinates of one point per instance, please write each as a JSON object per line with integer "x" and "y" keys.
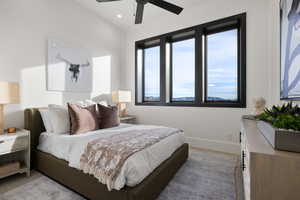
{"x": 152, "y": 74}
{"x": 222, "y": 65}
{"x": 202, "y": 66}
{"x": 183, "y": 70}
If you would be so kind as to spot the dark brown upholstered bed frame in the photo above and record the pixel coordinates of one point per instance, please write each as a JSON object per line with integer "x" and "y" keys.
{"x": 87, "y": 185}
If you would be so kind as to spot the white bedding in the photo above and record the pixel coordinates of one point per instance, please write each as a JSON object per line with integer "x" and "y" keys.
{"x": 135, "y": 169}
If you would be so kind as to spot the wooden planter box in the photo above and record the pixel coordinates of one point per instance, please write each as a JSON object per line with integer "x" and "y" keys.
{"x": 280, "y": 139}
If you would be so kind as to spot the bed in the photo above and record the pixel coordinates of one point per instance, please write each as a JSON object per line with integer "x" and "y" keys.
{"x": 87, "y": 185}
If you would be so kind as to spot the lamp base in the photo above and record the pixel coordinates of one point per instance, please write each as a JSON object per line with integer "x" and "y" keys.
{"x": 122, "y": 109}
{"x": 1, "y": 119}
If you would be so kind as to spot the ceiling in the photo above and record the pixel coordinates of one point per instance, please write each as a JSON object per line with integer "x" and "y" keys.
{"x": 127, "y": 9}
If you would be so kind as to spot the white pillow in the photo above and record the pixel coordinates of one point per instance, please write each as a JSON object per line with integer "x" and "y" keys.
{"x": 103, "y": 103}
{"x": 84, "y": 103}
{"x": 79, "y": 103}
{"x": 89, "y": 102}
{"x": 46, "y": 119}
{"x": 60, "y": 120}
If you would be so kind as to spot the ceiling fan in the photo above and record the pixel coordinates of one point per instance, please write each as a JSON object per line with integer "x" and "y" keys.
{"x": 141, "y": 4}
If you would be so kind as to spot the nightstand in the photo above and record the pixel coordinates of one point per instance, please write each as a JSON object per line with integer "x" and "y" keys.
{"x": 128, "y": 120}
{"x": 15, "y": 148}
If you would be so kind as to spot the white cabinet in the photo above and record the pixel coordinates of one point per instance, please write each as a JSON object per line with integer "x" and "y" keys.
{"x": 15, "y": 147}
{"x": 268, "y": 174}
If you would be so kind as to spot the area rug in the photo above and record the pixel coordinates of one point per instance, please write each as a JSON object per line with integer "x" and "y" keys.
{"x": 205, "y": 176}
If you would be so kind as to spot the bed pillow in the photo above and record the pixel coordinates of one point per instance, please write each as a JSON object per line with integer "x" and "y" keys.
{"x": 46, "y": 119}
{"x": 83, "y": 119}
{"x": 84, "y": 103}
{"x": 60, "y": 119}
{"x": 103, "y": 103}
{"x": 108, "y": 116}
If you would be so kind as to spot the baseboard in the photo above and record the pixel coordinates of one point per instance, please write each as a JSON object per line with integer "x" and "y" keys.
{"x": 215, "y": 145}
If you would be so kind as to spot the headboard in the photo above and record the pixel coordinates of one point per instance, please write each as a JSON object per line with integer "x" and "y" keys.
{"x": 34, "y": 123}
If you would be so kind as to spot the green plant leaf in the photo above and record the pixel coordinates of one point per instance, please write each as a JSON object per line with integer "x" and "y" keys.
{"x": 286, "y": 116}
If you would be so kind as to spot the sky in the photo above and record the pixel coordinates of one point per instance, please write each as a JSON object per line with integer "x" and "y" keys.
{"x": 152, "y": 72}
{"x": 184, "y": 69}
{"x": 221, "y": 63}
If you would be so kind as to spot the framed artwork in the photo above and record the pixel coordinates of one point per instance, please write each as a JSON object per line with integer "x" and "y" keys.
{"x": 69, "y": 69}
{"x": 290, "y": 50}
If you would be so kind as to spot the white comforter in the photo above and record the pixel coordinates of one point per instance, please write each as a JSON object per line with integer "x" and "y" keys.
{"x": 135, "y": 169}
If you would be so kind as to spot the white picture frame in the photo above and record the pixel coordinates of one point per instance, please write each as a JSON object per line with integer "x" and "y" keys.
{"x": 69, "y": 68}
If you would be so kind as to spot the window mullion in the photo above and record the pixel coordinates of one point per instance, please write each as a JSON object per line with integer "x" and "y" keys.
{"x": 168, "y": 71}
{"x": 163, "y": 70}
{"x": 143, "y": 75}
{"x": 198, "y": 66}
{"x": 242, "y": 60}
{"x": 171, "y": 73}
{"x": 204, "y": 68}
{"x": 239, "y": 64}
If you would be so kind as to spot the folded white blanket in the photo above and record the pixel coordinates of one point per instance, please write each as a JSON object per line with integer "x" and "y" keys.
{"x": 136, "y": 168}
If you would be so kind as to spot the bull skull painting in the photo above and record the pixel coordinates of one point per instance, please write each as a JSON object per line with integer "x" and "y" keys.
{"x": 73, "y": 68}
{"x": 69, "y": 67}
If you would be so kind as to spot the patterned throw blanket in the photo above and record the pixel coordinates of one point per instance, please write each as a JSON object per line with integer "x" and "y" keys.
{"x": 104, "y": 158}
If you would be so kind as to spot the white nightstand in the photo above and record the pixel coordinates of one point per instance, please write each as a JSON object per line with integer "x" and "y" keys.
{"x": 128, "y": 119}
{"x": 16, "y": 147}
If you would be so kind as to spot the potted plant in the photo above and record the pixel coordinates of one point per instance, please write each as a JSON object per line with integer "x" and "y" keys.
{"x": 281, "y": 126}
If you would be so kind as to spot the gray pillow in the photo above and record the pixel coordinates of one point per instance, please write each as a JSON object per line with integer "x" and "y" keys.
{"x": 108, "y": 116}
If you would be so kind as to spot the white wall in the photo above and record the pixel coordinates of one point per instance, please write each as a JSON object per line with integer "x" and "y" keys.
{"x": 274, "y": 51}
{"x": 25, "y": 27}
{"x": 215, "y": 128}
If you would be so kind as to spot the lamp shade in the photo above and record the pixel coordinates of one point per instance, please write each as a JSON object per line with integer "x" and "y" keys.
{"x": 9, "y": 93}
{"x": 121, "y": 96}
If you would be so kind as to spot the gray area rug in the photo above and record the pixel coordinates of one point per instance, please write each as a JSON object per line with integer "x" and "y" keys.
{"x": 205, "y": 176}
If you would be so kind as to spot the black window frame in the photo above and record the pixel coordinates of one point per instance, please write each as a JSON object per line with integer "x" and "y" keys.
{"x": 198, "y": 32}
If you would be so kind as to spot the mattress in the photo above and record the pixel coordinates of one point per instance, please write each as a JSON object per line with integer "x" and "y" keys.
{"x": 136, "y": 168}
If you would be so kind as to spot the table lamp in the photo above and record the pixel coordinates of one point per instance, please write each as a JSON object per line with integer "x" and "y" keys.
{"x": 121, "y": 97}
{"x": 9, "y": 94}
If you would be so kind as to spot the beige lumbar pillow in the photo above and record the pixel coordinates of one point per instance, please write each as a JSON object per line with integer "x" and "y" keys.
{"x": 60, "y": 120}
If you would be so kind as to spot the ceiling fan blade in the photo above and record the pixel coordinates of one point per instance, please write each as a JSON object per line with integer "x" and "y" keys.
{"x": 103, "y": 1}
{"x": 167, "y": 6}
{"x": 139, "y": 13}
